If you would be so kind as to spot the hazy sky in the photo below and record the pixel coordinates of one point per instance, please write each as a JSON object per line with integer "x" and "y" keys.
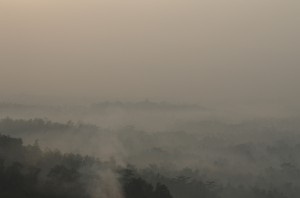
{"x": 203, "y": 51}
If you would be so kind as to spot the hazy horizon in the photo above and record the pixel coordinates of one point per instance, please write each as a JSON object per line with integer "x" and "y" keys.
{"x": 149, "y": 98}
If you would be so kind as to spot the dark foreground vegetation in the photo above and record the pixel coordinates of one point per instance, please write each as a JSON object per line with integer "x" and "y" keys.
{"x": 28, "y": 172}
{"x": 248, "y": 170}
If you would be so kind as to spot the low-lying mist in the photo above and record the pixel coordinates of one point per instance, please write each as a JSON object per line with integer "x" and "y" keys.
{"x": 163, "y": 140}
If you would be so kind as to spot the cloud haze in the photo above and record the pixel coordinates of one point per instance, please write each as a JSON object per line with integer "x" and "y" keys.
{"x": 211, "y": 52}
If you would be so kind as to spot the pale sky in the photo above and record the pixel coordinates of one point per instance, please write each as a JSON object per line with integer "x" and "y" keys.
{"x": 197, "y": 51}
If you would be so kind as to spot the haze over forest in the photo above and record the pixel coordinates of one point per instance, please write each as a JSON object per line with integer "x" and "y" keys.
{"x": 149, "y": 99}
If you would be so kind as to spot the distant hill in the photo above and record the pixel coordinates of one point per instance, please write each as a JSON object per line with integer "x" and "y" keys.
{"x": 146, "y": 105}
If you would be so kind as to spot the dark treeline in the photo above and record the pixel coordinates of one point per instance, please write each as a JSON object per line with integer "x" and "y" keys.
{"x": 37, "y": 125}
{"x": 251, "y": 160}
{"x": 27, "y": 171}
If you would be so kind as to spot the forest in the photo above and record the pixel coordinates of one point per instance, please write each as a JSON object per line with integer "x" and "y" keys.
{"x": 149, "y": 99}
{"x": 203, "y": 159}
{"x": 27, "y": 171}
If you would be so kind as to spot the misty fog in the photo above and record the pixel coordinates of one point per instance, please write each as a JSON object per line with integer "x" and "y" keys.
{"x": 149, "y": 99}
{"x": 208, "y": 52}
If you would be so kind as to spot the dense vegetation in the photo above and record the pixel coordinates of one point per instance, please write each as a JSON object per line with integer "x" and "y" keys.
{"x": 26, "y": 171}
{"x": 175, "y": 164}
